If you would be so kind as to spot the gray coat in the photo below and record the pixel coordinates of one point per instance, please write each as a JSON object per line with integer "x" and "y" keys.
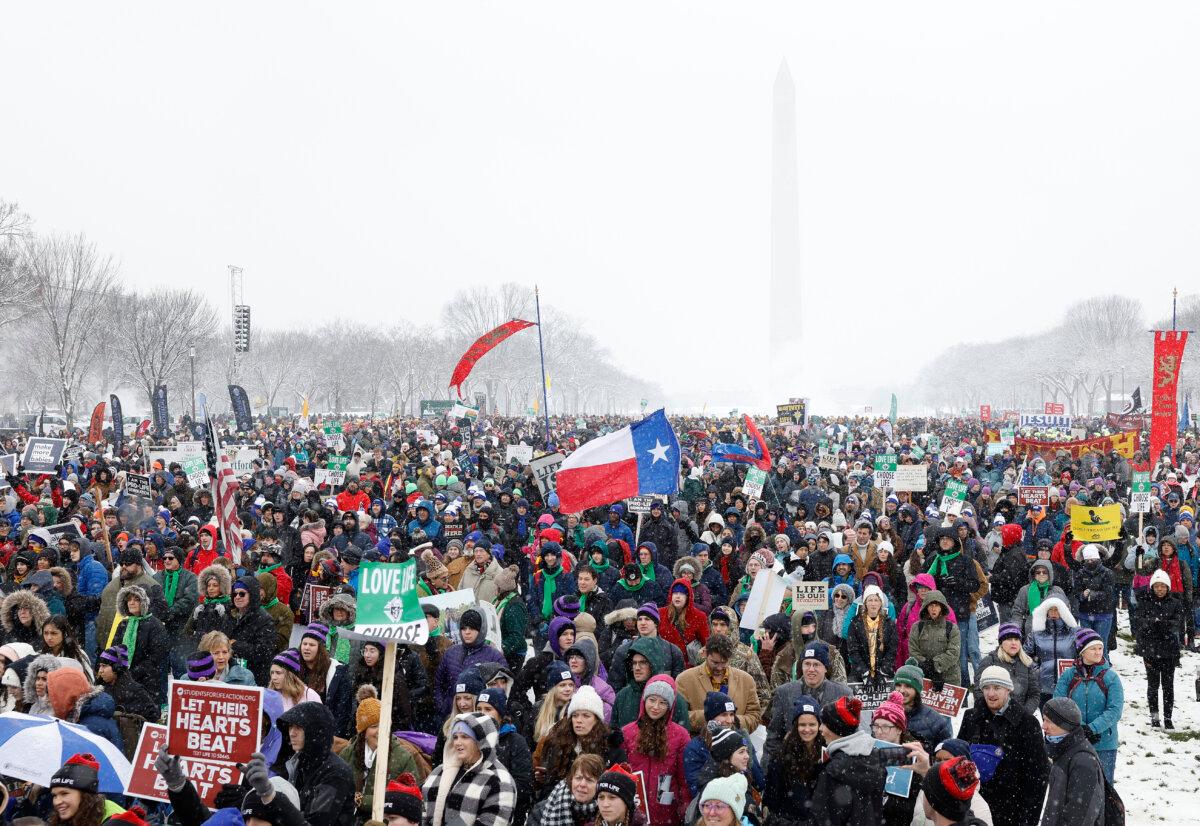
{"x": 1075, "y": 796}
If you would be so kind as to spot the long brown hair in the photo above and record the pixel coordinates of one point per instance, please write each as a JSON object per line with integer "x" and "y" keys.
{"x": 89, "y": 813}
{"x": 556, "y": 751}
{"x": 314, "y": 675}
{"x": 652, "y": 735}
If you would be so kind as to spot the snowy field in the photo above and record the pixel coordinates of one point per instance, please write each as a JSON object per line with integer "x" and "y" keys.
{"x": 1158, "y": 771}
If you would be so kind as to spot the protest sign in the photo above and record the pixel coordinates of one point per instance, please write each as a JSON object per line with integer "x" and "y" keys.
{"x": 985, "y": 412}
{"x": 435, "y": 408}
{"x": 213, "y": 721}
{"x": 1045, "y": 421}
{"x": 313, "y": 598}
{"x": 642, "y": 504}
{"x": 544, "y": 470}
{"x": 791, "y": 413}
{"x": 42, "y": 454}
{"x": 642, "y": 800}
{"x": 428, "y": 437}
{"x": 1063, "y": 665}
{"x": 899, "y": 781}
{"x": 1124, "y": 443}
{"x": 872, "y": 695}
{"x": 242, "y": 458}
{"x": 145, "y": 782}
{"x": 826, "y": 459}
{"x": 1033, "y": 495}
{"x": 1078, "y": 432}
{"x": 138, "y": 486}
{"x": 175, "y": 454}
{"x": 388, "y": 607}
{"x": 333, "y": 436}
{"x": 1139, "y": 501}
{"x": 1053, "y": 408}
{"x": 934, "y": 444}
{"x": 752, "y": 486}
{"x": 953, "y": 497}
{"x": 766, "y": 595}
{"x": 885, "y": 470}
{"x": 911, "y": 478}
{"x": 1008, "y": 435}
{"x": 452, "y": 604}
{"x": 948, "y": 701}
{"x": 8, "y": 464}
{"x": 196, "y": 469}
{"x": 810, "y": 596}
{"x": 994, "y": 449}
{"x": 462, "y": 411}
{"x": 917, "y": 452}
{"x": 52, "y": 533}
{"x": 522, "y": 453}
{"x": 1098, "y": 523}
{"x": 986, "y": 613}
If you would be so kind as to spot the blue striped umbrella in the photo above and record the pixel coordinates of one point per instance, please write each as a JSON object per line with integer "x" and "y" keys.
{"x": 34, "y": 748}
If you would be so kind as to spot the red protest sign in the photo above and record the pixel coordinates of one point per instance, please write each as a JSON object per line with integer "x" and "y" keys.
{"x": 948, "y": 701}
{"x": 1063, "y": 665}
{"x": 214, "y": 721}
{"x": 985, "y": 412}
{"x": 1054, "y": 409}
{"x": 314, "y": 597}
{"x": 144, "y": 781}
{"x": 1033, "y": 495}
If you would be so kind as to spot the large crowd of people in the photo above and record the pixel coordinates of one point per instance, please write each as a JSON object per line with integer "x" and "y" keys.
{"x": 626, "y": 678}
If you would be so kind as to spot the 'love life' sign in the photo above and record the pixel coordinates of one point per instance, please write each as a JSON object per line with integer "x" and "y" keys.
{"x": 213, "y": 721}
{"x": 388, "y": 608}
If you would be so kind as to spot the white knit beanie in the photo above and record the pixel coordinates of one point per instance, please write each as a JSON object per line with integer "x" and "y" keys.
{"x": 730, "y": 791}
{"x": 996, "y": 675}
{"x": 586, "y": 699}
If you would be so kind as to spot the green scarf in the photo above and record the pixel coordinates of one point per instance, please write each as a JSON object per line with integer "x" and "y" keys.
{"x": 938, "y": 566}
{"x": 583, "y": 601}
{"x": 272, "y": 603}
{"x": 222, "y": 600}
{"x": 549, "y": 586}
{"x": 634, "y": 589}
{"x": 269, "y": 568}
{"x": 1035, "y": 593}
{"x": 170, "y": 585}
{"x": 601, "y": 568}
{"x": 647, "y": 572}
{"x": 500, "y": 605}
{"x": 130, "y": 638}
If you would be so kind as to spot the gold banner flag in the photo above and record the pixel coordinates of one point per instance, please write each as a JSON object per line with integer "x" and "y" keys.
{"x": 1124, "y": 443}
{"x": 1095, "y": 523}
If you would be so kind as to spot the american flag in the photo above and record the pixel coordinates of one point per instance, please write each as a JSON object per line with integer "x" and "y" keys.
{"x": 225, "y": 485}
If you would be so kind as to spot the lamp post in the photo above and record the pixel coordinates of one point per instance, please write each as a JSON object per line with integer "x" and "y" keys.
{"x": 192, "y": 359}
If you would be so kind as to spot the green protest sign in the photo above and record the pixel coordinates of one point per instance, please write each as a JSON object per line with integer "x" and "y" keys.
{"x": 1140, "y": 500}
{"x": 337, "y": 462}
{"x": 885, "y": 461}
{"x": 753, "y": 485}
{"x": 388, "y": 607}
{"x": 917, "y": 453}
{"x": 953, "y": 497}
{"x": 332, "y": 429}
{"x": 935, "y": 444}
{"x": 885, "y": 470}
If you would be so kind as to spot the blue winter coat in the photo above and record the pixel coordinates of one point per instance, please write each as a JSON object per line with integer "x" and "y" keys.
{"x": 1050, "y": 641}
{"x": 621, "y": 531}
{"x": 90, "y": 576}
{"x": 1100, "y": 712}
{"x": 96, "y": 715}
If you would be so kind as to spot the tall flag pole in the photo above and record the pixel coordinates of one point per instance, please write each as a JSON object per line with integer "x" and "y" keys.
{"x": 542, "y": 355}
{"x": 224, "y": 487}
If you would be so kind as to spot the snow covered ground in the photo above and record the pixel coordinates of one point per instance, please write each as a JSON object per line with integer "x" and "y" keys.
{"x": 1158, "y": 771}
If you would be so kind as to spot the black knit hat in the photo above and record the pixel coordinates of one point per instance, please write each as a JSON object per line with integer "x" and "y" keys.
{"x": 949, "y": 787}
{"x": 618, "y": 781}
{"x": 842, "y": 715}
{"x": 81, "y": 771}
{"x": 725, "y": 742}
{"x": 403, "y": 798}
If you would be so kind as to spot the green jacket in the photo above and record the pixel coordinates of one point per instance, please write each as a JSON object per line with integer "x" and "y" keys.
{"x": 629, "y": 699}
{"x": 399, "y": 760}
{"x": 514, "y": 623}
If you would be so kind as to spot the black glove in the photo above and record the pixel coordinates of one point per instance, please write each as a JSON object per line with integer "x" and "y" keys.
{"x": 947, "y": 582}
{"x": 231, "y": 795}
{"x": 1093, "y": 737}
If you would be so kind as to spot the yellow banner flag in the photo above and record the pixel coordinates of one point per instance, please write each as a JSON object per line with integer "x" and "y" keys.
{"x": 1095, "y": 523}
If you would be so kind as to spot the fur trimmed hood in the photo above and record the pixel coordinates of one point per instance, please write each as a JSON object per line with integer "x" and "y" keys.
{"x": 218, "y": 572}
{"x": 1064, "y": 612}
{"x": 133, "y": 591}
{"x": 338, "y": 601}
{"x": 67, "y": 580}
{"x": 620, "y": 615}
{"x": 22, "y": 599}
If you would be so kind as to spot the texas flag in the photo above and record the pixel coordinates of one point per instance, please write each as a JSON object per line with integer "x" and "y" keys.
{"x": 636, "y": 460}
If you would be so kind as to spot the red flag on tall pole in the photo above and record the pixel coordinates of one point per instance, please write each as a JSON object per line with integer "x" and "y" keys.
{"x": 1164, "y": 396}
{"x": 96, "y": 430}
{"x": 481, "y": 347}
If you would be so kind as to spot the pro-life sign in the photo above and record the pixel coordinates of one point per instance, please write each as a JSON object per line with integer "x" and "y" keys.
{"x": 1033, "y": 495}
{"x": 138, "y": 486}
{"x": 42, "y": 454}
{"x": 953, "y": 497}
{"x": 910, "y": 478}
{"x": 545, "y": 469}
{"x": 1140, "y": 499}
{"x": 145, "y": 782}
{"x": 885, "y": 470}
{"x": 214, "y": 721}
{"x": 388, "y": 606}
{"x": 810, "y": 596}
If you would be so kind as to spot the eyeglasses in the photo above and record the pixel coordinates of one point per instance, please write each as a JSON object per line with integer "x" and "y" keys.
{"x": 883, "y": 727}
{"x": 840, "y": 596}
{"x": 714, "y": 806}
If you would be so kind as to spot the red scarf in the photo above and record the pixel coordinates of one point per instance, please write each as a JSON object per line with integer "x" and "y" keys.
{"x": 1171, "y": 566}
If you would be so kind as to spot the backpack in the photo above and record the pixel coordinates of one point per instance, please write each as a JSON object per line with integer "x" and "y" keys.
{"x": 1114, "y": 806}
{"x": 1077, "y": 680}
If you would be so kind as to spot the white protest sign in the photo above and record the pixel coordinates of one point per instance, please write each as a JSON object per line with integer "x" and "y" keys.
{"x": 544, "y": 469}
{"x": 1140, "y": 500}
{"x": 242, "y": 458}
{"x": 953, "y": 497}
{"x": 522, "y": 453}
{"x": 885, "y": 470}
{"x": 911, "y": 478}
{"x": 810, "y": 596}
{"x": 181, "y": 451}
{"x": 753, "y": 485}
{"x": 196, "y": 469}
{"x": 766, "y": 596}
{"x": 42, "y": 454}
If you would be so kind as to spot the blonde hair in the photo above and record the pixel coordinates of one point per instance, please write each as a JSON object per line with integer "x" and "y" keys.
{"x": 214, "y": 639}
{"x": 292, "y": 687}
{"x": 549, "y": 713}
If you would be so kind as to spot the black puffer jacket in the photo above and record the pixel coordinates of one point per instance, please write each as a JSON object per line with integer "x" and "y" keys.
{"x": 1161, "y": 626}
{"x": 323, "y": 780}
{"x": 132, "y": 698}
{"x": 253, "y": 634}
{"x": 151, "y": 645}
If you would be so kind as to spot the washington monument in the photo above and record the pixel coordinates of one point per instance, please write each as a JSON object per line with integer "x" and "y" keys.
{"x": 786, "y": 330}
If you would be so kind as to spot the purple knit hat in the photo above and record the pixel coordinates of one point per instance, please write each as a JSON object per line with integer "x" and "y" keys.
{"x": 1008, "y": 629}
{"x": 117, "y": 656}
{"x": 1085, "y": 637}
{"x": 200, "y": 665}
{"x": 289, "y": 660}
{"x": 319, "y": 631}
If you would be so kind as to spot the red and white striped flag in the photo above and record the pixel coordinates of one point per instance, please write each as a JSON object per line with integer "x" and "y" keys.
{"x": 225, "y": 485}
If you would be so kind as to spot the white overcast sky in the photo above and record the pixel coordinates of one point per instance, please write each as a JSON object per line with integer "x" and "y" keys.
{"x": 966, "y": 170}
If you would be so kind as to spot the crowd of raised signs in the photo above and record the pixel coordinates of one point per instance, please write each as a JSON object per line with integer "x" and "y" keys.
{"x": 808, "y": 655}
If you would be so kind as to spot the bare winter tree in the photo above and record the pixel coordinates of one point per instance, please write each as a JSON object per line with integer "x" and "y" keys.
{"x": 16, "y": 285}
{"x": 157, "y": 332}
{"x": 276, "y": 358}
{"x": 71, "y": 280}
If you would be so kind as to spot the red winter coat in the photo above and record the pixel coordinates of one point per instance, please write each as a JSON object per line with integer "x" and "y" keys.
{"x": 664, "y": 775}
{"x": 283, "y": 584}
{"x": 1058, "y": 554}
{"x": 695, "y": 625}
{"x": 197, "y": 558}
{"x": 347, "y": 501}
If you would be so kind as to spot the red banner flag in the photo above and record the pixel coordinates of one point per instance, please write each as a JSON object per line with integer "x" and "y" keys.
{"x": 481, "y": 347}
{"x": 1164, "y": 415}
{"x": 96, "y": 431}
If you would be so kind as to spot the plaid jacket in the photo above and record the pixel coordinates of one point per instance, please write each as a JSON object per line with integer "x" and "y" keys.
{"x": 480, "y": 795}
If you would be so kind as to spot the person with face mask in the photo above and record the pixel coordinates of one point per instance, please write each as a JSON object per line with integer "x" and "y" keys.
{"x": 1076, "y": 782}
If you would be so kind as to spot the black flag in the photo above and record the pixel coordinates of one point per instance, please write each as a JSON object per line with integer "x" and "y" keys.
{"x": 241, "y": 408}
{"x": 118, "y": 425}
{"x": 1135, "y": 402}
{"x": 162, "y": 418}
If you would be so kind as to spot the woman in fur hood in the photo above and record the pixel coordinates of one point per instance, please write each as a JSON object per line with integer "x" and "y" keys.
{"x": 22, "y": 614}
{"x": 145, "y": 639}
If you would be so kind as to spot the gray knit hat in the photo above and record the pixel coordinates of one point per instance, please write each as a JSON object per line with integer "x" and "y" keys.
{"x": 1063, "y": 712}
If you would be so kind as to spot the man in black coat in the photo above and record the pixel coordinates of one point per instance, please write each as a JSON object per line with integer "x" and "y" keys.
{"x": 322, "y": 779}
{"x": 1015, "y": 791}
{"x": 660, "y": 529}
{"x": 1076, "y": 793}
{"x": 252, "y": 630}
